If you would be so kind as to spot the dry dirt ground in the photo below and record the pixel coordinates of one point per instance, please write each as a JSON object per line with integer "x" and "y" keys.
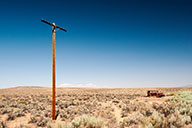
{"x": 30, "y": 107}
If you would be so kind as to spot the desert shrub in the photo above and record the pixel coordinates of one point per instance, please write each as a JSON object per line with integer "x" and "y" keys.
{"x": 68, "y": 125}
{"x": 3, "y": 124}
{"x": 156, "y": 120}
{"x": 14, "y": 105}
{"x": 59, "y": 125}
{"x": 166, "y": 108}
{"x": 20, "y": 126}
{"x": 181, "y": 120}
{"x": 22, "y": 102}
{"x": 132, "y": 107}
{"x": 147, "y": 112}
{"x": 86, "y": 121}
{"x": 184, "y": 96}
{"x": 11, "y": 116}
{"x": 19, "y": 113}
{"x": 33, "y": 120}
{"x": 49, "y": 124}
{"x": 5, "y": 110}
{"x": 42, "y": 122}
{"x": 133, "y": 119}
{"x": 2, "y": 105}
{"x": 171, "y": 94}
{"x": 47, "y": 113}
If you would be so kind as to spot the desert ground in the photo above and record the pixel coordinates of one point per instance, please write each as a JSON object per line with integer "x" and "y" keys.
{"x": 30, "y": 107}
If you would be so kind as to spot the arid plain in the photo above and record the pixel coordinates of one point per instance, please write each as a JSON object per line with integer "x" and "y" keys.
{"x": 30, "y": 107}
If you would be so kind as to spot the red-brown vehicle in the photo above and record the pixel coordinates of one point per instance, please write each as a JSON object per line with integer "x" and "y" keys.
{"x": 155, "y": 93}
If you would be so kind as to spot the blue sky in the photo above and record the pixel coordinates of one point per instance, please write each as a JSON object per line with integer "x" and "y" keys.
{"x": 109, "y": 43}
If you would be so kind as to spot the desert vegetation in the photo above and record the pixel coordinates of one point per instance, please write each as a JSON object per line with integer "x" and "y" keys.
{"x": 30, "y": 107}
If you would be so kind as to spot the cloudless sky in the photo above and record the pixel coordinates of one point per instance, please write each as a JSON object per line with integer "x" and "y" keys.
{"x": 109, "y": 43}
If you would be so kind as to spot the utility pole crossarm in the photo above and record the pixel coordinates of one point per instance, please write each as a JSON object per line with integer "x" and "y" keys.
{"x": 54, "y": 25}
{"x": 61, "y": 28}
{"x": 47, "y": 22}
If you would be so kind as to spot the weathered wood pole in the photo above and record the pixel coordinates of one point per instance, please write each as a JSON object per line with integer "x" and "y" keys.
{"x": 53, "y": 64}
{"x": 53, "y": 73}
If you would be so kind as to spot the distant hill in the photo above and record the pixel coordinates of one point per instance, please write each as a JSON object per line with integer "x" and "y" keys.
{"x": 188, "y": 86}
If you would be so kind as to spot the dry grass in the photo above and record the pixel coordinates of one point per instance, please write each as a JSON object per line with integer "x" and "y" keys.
{"x": 95, "y": 108}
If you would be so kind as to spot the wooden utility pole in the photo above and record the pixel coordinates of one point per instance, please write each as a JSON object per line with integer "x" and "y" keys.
{"x": 53, "y": 73}
{"x": 53, "y": 64}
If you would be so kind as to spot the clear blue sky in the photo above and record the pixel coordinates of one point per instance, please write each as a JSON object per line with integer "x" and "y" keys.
{"x": 109, "y": 43}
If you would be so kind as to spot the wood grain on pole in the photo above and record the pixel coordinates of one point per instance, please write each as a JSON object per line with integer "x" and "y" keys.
{"x": 54, "y": 82}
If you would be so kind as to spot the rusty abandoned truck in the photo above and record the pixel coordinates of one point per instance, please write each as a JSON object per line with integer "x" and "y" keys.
{"x": 155, "y": 93}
